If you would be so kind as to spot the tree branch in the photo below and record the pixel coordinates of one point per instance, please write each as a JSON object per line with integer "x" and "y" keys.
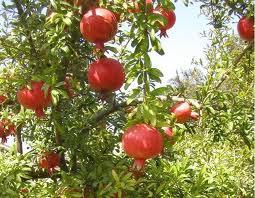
{"x": 101, "y": 114}
{"x": 40, "y": 175}
{"x": 104, "y": 113}
{"x": 19, "y": 140}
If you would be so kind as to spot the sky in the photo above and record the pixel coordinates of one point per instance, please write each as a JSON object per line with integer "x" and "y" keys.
{"x": 183, "y": 44}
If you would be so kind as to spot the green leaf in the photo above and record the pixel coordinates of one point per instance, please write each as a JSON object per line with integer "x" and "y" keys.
{"x": 160, "y": 91}
{"x": 67, "y": 21}
{"x": 115, "y": 176}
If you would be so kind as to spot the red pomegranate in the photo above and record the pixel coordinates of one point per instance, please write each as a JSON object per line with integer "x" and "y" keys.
{"x": 2, "y": 99}
{"x": 137, "y": 7}
{"x": 194, "y": 115}
{"x": 169, "y": 134}
{"x": 245, "y": 28}
{"x": 49, "y": 161}
{"x": 98, "y": 26}
{"x": 6, "y": 129}
{"x": 106, "y": 75}
{"x": 35, "y": 98}
{"x": 182, "y": 111}
{"x": 169, "y": 16}
{"x": 142, "y": 142}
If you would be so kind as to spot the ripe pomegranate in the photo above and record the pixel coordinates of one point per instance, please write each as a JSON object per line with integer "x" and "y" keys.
{"x": 98, "y": 26}
{"x": 106, "y": 75}
{"x": 245, "y": 28}
{"x": 35, "y": 98}
{"x": 2, "y": 99}
{"x": 194, "y": 115}
{"x": 142, "y": 142}
{"x": 182, "y": 111}
{"x": 169, "y": 134}
{"x": 6, "y": 129}
{"x": 49, "y": 161}
{"x": 169, "y": 16}
{"x": 137, "y": 7}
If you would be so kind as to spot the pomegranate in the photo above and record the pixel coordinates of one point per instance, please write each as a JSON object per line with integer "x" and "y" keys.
{"x": 137, "y": 7}
{"x": 182, "y": 111}
{"x": 35, "y": 98}
{"x": 169, "y": 16}
{"x": 169, "y": 134}
{"x": 142, "y": 142}
{"x": 49, "y": 161}
{"x": 245, "y": 28}
{"x": 2, "y": 99}
{"x": 98, "y": 26}
{"x": 106, "y": 75}
{"x": 6, "y": 129}
{"x": 194, "y": 115}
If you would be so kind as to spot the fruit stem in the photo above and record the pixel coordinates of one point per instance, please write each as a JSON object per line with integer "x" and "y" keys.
{"x": 39, "y": 113}
{"x": 163, "y": 33}
{"x": 99, "y": 46}
{"x": 138, "y": 164}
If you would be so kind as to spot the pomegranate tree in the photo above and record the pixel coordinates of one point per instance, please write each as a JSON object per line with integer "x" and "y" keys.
{"x": 106, "y": 75}
{"x": 142, "y": 142}
{"x": 98, "y": 26}
{"x": 49, "y": 161}
{"x": 182, "y": 111}
{"x": 170, "y": 17}
{"x": 245, "y": 28}
{"x": 35, "y": 98}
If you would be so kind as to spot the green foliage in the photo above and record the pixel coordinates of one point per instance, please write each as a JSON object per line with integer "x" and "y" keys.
{"x": 41, "y": 40}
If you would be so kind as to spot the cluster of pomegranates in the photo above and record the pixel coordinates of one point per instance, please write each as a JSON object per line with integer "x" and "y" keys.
{"x": 98, "y": 26}
{"x": 6, "y": 129}
{"x": 143, "y": 141}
